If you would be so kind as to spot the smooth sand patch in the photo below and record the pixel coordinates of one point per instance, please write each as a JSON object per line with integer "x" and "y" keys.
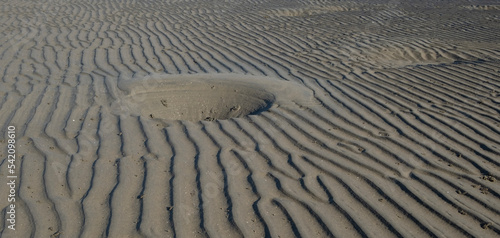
{"x": 209, "y": 96}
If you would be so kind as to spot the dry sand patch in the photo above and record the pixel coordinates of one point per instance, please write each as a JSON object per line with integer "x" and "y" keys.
{"x": 242, "y": 118}
{"x": 208, "y": 96}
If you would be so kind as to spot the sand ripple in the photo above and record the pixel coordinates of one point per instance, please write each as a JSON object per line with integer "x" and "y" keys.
{"x": 354, "y": 119}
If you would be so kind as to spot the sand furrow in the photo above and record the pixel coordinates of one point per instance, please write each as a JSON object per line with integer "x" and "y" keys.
{"x": 443, "y": 214}
{"x": 54, "y": 128}
{"x": 351, "y": 197}
{"x": 343, "y": 149}
{"x": 467, "y": 95}
{"x": 267, "y": 148}
{"x": 245, "y": 212}
{"x": 478, "y": 215}
{"x": 355, "y": 147}
{"x": 463, "y": 100}
{"x": 443, "y": 96}
{"x": 462, "y": 81}
{"x": 348, "y": 139}
{"x": 34, "y": 187}
{"x": 130, "y": 181}
{"x": 315, "y": 211}
{"x": 9, "y": 100}
{"x": 103, "y": 177}
{"x": 422, "y": 111}
{"x": 406, "y": 120}
{"x": 185, "y": 203}
{"x": 38, "y": 111}
{"x": 263, "y": 207}
{"x": 474, "y": 143}
{"x": 155, "y": 195}
{"x": 228, "y": 167}
{"x": 284, "y": 139}
{"x": 230, "y": 52}
{"x": 407, "y": 141}
{"x": 477, "y": 191}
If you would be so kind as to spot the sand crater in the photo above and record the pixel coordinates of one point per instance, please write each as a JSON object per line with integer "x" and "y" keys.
{"x": 205, "y": 96}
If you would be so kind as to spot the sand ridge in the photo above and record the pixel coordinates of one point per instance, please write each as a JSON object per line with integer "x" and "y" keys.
{"x": 351, "y": 118}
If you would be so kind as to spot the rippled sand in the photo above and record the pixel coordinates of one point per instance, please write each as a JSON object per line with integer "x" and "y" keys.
{"x": 251, "y": 118}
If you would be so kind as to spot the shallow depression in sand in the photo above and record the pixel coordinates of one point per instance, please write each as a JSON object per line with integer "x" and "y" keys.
{"x": 206, "y": 96}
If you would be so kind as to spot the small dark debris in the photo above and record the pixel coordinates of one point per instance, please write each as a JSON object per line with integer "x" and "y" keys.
{"x": 489, "y": 178}
{"x": 484, "y": 190}
{"x": 57, "y": 234}
{"x": 486, "y": 225}
{"x": 383, "y": 134}
{"x": 164, "y": 102}
{"x": 209, "y": 119}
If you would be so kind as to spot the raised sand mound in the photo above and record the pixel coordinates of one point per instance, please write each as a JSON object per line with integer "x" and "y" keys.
{"x": 207, "y": 96}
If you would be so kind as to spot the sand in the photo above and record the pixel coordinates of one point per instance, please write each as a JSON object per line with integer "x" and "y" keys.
{"x": 190, "y": 118}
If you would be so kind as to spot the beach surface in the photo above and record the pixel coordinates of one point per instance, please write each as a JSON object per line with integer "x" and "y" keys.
{"x": 256, "y": 118}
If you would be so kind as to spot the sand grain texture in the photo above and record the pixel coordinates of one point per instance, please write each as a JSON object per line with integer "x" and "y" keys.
{"x": 187, "y": 118}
